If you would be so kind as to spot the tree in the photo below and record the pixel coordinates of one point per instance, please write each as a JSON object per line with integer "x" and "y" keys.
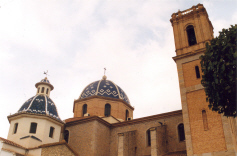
{"x": 219, "y": 72}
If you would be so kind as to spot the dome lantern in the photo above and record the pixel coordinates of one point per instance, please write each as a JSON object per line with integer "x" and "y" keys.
{"x": 44, "y": 87}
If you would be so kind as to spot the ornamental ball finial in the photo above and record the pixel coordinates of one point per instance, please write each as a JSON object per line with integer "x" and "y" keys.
{"x": 104, "y": 77}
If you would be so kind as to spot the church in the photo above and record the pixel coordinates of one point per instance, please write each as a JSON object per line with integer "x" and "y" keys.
{"x": 103, "y": 123}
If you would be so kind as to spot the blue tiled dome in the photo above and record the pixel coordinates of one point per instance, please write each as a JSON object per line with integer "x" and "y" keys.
{"x": 40, "y": 104}
{"x": 105, "y": 88}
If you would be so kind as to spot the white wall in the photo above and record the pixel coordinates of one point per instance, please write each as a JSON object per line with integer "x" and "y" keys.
{"x": 6, "y": 153}
{"x": 42, "y": 131}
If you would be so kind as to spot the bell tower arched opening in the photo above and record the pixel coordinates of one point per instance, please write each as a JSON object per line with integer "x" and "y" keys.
{"x": 191, "y": 35}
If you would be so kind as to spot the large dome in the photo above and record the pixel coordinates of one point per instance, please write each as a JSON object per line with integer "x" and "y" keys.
{"x": 40, "y": 104}
{"x": 104, "y": 88}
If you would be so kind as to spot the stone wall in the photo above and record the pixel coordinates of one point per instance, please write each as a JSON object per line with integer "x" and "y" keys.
{"x": 82, "y": 138}
{"x": 89, "y": 138}
{"x": 141, "y": 146}
{"x": 102, "y": 139}
{"x": 129, "y": 143}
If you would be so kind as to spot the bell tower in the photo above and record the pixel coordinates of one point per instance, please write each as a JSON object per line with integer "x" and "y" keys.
{"x": 205, "y": 131}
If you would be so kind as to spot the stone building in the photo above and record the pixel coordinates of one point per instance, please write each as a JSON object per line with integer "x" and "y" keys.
{"x": 103, "y": 123}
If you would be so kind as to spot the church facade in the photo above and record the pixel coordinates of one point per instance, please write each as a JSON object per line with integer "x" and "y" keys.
{"x": 103, "y": 123}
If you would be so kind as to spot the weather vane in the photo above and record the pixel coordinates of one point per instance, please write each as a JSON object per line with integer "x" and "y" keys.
{"x": 46, "y": 73}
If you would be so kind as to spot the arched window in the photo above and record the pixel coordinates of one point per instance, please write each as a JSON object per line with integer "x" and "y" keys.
{"x": 181, "y": 132}
{"x": 42, "y": 90}
{"x": 204, "y": 118}
{"x": 148, "y": 136}
{"x": 107, "y": 109}
{"x": 197, "y": 72}
{"x": 126, "y": 115}
{"x": 15, "y": 128}
{"x": 38, "y": 89}
{"x": 66, "y": 135}
{"x": 84, "y": 109}
{"x": 51, "y": 131}
{"x": 47, "y": 91}
{"x": 33, "y": 127}
{"x": 191, "y": 35}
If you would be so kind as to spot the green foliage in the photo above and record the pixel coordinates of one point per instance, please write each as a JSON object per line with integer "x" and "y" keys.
{"x": 219, "y": 72}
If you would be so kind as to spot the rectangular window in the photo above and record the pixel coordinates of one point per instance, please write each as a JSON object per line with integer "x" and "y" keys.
{"x": 148, "y": 134}
{"x": 197, "y": 72}
{"x": 15, "y": 128}
{"x": 84, "y": 109}
{"x": 33, "y": 127}
{"x": 51, "y": 132}
{"x": 204, "y": 118}
{"x": 181, "y": 132}
{"x": 42, "y": 90}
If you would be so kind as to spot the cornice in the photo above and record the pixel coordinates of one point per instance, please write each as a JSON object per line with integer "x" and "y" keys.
{"x": 41, "y": 116}
{"x": 124, "y": 123}
{"x": 86, "y": 119}
{"x": 149, "y": 118}
{"x": 178, "y": 57}
{"x": 44, "y": 83}
{"x": 189, "y": 13}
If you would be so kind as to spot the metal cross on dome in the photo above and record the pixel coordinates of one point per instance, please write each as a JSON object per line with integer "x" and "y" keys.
{"x": 104, "y": 70}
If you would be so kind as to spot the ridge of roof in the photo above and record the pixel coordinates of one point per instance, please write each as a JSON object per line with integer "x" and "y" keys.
{"x": 63, "y": 142}
{"x": 148, "y": 118}
{"x": 73, "y": 121}
{"x": 11, "y": 143}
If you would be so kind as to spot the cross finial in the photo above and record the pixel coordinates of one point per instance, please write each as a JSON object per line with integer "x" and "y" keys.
{"x": 104, "y": 77}
{"x": 104, "y": 70}
{"x": 46, "y": 73}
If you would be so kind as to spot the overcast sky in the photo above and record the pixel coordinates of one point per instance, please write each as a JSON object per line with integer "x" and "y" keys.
{"x": 76, "y": 40}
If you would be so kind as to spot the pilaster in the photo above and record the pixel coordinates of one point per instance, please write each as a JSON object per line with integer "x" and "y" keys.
{"x": 120, "y": 144}
{"x": 153, "y": 142}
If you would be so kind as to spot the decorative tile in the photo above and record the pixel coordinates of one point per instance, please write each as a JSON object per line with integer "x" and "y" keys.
{"x": 105, "y": 88}
{"x": 37, "y": 104}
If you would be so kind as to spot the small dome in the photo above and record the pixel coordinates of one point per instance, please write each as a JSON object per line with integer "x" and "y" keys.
{"x": 45, "y": 80}
{"x": 40, "y": 104}
{"x": 105, "y": 88}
